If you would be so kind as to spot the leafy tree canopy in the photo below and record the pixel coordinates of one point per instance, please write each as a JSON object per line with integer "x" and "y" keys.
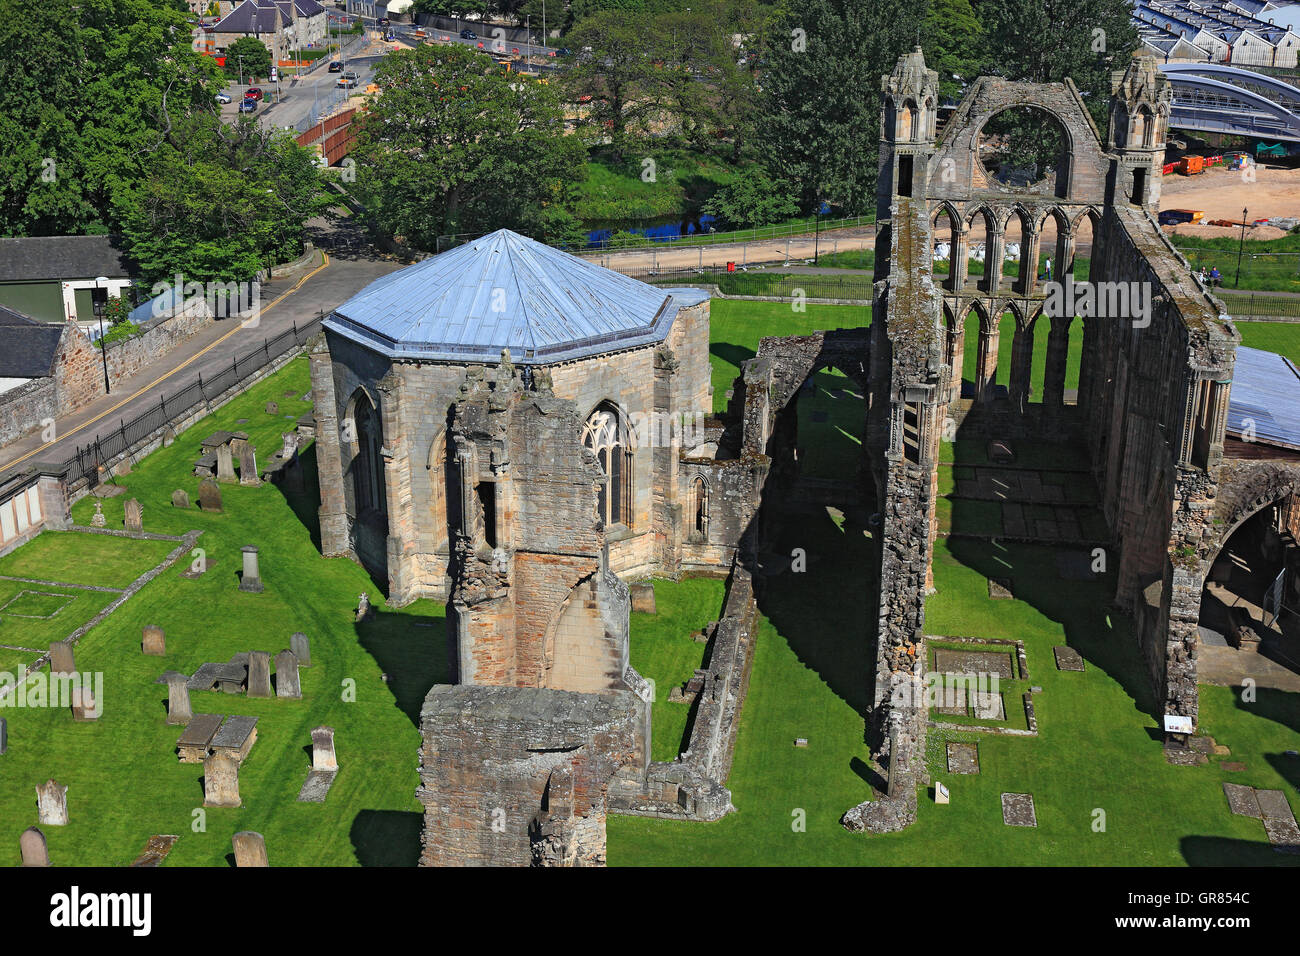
{"x": 248, "y": 57}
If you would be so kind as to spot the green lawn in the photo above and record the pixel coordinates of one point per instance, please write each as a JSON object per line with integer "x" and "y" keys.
{"x": 134, "y": 786}
{"x": 75, "y": 557}
{"x": 663, "y": 651}
{"x": 1271, "y": 265}
{"x": 738, "y": 326}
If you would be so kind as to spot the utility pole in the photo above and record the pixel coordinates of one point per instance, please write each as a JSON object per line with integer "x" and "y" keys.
{"x": 101, "y": 308}
{"x": 543, "y": 24}
{"x": 1236, "y": 283}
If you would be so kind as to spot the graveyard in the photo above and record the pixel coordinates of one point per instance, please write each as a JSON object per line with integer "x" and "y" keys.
{"x": 256, "y": 736}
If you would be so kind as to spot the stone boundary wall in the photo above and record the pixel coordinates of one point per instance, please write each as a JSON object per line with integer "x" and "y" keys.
{"x": 164, "y": 436}
{"x": 693, "y": 786}
{"x": 22, "y": 409}
{"x": 156, "y": 337}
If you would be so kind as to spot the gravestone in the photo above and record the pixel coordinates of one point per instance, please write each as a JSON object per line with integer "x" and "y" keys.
{"x": 52, "y": 804}
{"x": 286, "y": 675}
{"x": 180, "y": 498}
{"x": 941, "y": 795}
{"x": 322, "y": 749}
{"x": 272, "y": 408}
{"x": 97, "y": 519}
{"x": 248, "y": 466}
{"x": 988, "y": 705}
{"x": 155, "y": 850}
{"x": 84, "y": 705}
{"x": 154, "y": 641}
{"x": 178, "y": 699}
{"x": 259, "y": 674}
{"x": 225, "y": 463}
{"x": 221, "y": 780}
{"x": 134, "y": 520}
{"x": 235, "y": 736}
{"x": 301, "y": 647}
{"x": 363, "y": 607}
{"x": 250, "y": 849}
{"x": 952, "y": 700}
{"x": 963, "y": 758}
{"x": 290, "y": 447}
{"x": 209, "y": 495}
{"x": 61, "y": 660}
{"x": 33, "y": 849}
{"x": 643, "y": 598}
{"x": 1242, "y": 800}
{"x": 251, "y": 579}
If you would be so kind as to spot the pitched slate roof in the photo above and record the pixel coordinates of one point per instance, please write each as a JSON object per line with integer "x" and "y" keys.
{"x": 250, "y": 17}
{"x": 42, "y": 258}
{"x": 1265, "y": 398}
{"x": 27, "y": 347}
{"x": 504, "y": 290}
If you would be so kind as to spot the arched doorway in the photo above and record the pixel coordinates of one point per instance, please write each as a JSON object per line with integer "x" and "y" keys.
{"x": 369, "y": 496}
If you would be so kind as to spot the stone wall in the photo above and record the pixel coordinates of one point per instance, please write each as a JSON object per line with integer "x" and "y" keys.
{"x": 156, "y": 337}
{"x": 24, "y": 408}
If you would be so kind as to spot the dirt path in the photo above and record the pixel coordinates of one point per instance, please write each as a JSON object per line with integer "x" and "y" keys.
{"x": 1222, "y": 194}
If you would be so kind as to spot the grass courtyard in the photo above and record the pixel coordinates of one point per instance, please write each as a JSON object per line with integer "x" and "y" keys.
{"x": 1097, "y": 748}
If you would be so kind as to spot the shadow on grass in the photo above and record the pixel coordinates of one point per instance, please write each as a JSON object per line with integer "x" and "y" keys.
{"x": 387, "y": 837}
{"x": 304, "y": 500}
{"x": 412, "y": 650}
{"x": 1225, "y": 851}
{"x": 735, "y": 354}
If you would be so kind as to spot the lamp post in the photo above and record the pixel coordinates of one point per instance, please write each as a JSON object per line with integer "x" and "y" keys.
{"x": 817, "y": 230}
{"x": 1236, "y": 282}
{"x": 100, "y": 307}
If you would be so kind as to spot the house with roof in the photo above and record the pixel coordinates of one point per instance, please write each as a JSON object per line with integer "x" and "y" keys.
{"x": 281, "y": 25}
{"x": 46, "y": 369}
{"x": 390, "y": 364}
{"x": 62, "y": 278}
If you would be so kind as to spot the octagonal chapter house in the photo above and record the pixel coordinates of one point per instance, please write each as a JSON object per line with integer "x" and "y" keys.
{"x": 393, "y": 360}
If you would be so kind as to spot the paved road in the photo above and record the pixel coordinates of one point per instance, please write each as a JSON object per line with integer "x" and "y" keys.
{"x": 296, "y": 299}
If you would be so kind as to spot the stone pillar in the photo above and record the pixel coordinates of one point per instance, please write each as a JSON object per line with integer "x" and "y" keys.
{"x": 153, "y": 641}
{"x": 959, "y": 263}
{"x": 1022, "y": 357}
{"x": 1063, "y": 264}
{"x": 250, "y": 849}
{"x": 251, "y": 579}
{"x": 221, "y": 780}
{"x": 1029, "y": 250}
{"x": 329, "y": 459}
{"x": 225, "y": 463}
{"x": 62, "y": 663}
{"x": 1218, "y": 421}
{"x": 1058, "y": 350}
{"x": 32, "y": 846}
{"x": 957, "y": 356}
{"x": 986, "y": 364}
{"x": 53, "y": 492}
{"x": 322, "y": 749}
{"x": 52, "y": 804}
{"x": 178, "y": 699}
{"x": 994, "y": 251}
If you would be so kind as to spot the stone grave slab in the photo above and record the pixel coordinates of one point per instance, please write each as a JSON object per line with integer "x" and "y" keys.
{"x": 988, "y": 705}
{"x": 963, "y": 758}
{"x": 1067, "y": 659}
{"x": 953, "y": 701}
{"x": 1000, "y": 589}
{"x": 236, "y": 736}
{"x": 155, "y": 850}
{"x": 1241, "y": 800}
{"x": 191, "y": 573}
{"x": 1279, "y": 821}
{"x": 317, "y": 786}
{"x": 192, "y": 747}
{"x": 1018, "y": 810}
{"x": 974, "y": 662}
{"x": 1233, "y": 766}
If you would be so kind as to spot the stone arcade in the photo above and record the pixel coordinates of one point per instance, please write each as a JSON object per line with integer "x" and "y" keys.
{"x": 486, "y": 435}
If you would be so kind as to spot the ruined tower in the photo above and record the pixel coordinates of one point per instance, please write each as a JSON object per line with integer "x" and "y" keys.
{"x": 1139, "y": 119}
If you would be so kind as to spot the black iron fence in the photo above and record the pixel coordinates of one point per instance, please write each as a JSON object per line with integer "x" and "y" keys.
{"x": 765, "y": 284}
{"x": 88, "y": 460}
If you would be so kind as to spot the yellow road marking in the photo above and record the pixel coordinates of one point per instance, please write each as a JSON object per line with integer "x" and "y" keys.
{"x": 163, "y": 378}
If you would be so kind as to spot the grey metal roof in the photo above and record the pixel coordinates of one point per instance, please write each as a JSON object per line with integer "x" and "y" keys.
{"x": 505, "y": 290}
{"x": 1265, "y": 398}
{"x": 40, "y": 258}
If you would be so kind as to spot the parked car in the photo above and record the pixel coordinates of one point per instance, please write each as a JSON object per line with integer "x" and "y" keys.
{"x": 336, "y": 66}
{"x": 223, "y": 98}
{"x": 253, "y": 93}
{"x": 248, "y": 106}
{"x": 468, "y": 35}
{"x": 346, "y": 82}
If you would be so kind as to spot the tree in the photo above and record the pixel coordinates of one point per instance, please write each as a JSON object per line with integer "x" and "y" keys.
{"x": 453, "y": 8}
{"x": 751, "y": 199}
{"x": 1045, "y": 41}
{"x": 218, "y": 202}
{"x": 86, "y": 83}
{"x": 953, "y": 41}
{"x": 452, "y": 145}
{"x": 818, "y": 124}
{"x": 616, "y": 80}
{"x": 248, "y": 57}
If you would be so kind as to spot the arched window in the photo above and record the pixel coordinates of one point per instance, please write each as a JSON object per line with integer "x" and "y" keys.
{"x": 607, "y": 435}
{"x": 367, "y": 457}
{"x": 699, "y": 530}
